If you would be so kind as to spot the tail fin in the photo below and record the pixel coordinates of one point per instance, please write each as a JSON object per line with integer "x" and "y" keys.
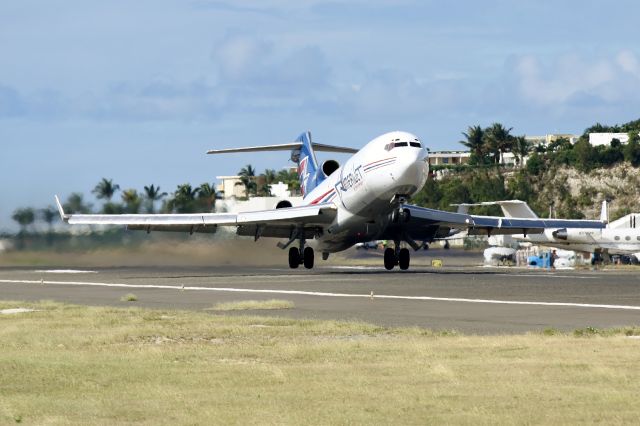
{"x": 302, "y": 153}
{"x": 604, "y": 213}
{"x": 307, "y": 164}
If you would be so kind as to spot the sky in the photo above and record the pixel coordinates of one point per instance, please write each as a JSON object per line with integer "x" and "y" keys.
{"x": 138, "y": 91}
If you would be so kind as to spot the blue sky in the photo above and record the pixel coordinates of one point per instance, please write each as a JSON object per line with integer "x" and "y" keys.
{"x": 138, "y": 91}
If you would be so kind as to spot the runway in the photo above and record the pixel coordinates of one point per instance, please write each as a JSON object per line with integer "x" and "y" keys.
{"x": 468, "y": 299}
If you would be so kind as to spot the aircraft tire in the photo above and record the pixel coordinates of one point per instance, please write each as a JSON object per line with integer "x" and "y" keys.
{"x": 446, "y": 245}
{"x": 404, "y": 258}
{"x": 294, "y": 258}
{"x": 308, "y": 257}
{"x": 389, "y": 258}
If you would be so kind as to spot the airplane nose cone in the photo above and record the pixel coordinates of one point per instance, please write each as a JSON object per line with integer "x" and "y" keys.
{"x": 414, "y": 169}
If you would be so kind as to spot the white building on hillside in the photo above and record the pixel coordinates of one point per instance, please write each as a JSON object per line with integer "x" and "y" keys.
{"x": 551, "y": 137}
{"x": 597, "y": 139}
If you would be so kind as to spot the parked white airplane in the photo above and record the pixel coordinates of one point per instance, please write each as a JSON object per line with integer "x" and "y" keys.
{"x": 618, "y": 237}
{"x": 364, "y": 200}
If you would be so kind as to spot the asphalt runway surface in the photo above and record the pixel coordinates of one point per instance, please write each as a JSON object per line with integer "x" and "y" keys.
{"x": 469, "y": 299}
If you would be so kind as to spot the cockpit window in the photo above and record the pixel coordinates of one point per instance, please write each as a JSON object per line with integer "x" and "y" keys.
{"x": 415, "y": 144}
{"x": 397, "y": 144}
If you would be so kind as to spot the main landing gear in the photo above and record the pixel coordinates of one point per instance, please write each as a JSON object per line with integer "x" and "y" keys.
{"x": 296, "y": 259}
{"x": 396, "y": 256}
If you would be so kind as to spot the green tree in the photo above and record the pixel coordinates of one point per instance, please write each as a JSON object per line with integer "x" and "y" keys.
{"x": 105, "y": 189}
{"x": 48, "y": 216}
{"x": 76, "y": 204}
{"x": 207, "y": 196}
{"x": 584, "y": 155}
{"x": 521, "y": 148}
{"x": 131, "y": 200}
{"x": 499, "y": 141}
{"x": 25, "y": 217}
{"x": 151, "y": 195}
{"x": 184, "y": 199}
{"x": 631, "y": 150}
{"x": 248, "y": 178}
{"x": 270, "y": 176}
{"x": 475, "y": 141}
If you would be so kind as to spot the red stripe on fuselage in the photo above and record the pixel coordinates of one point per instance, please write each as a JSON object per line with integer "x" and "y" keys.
{"x": 322, "y": 196}
{"x": 377, "y": 161}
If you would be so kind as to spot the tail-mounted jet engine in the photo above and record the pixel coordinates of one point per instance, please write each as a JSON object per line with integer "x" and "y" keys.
{"x": 283, "y": 204}
{"x": 329, "y": 166}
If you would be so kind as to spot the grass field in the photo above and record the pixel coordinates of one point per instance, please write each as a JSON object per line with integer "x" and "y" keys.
{"x": 87, "y": 365}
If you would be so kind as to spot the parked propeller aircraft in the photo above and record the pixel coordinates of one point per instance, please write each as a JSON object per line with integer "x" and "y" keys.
{"x": 363, "y": 200}
{"x": 621, "y": 236}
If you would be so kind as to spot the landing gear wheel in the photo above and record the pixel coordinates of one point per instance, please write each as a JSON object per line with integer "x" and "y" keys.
{"x": 307, "y": 257}
{"x": 446, "y": 245}
{"x": 426, "y": 246}
{"x": 403, "y": 259}
{"x": 389, "y": 258}
{"x": 294, "y": 258}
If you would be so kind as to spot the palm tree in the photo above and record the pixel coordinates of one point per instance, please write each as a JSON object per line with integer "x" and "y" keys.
{"x": 264, "y": 190}
{"x": 152, "y": 194}
{"x": 131, "y": 200}
{"x": 184, "y": 198}
{"x": 207, "y": 195}
{"x": 247, "y": 177}
{"x": 269, "y": 176}
{"x": 290, "y": 177}
{"x": 475, "y": 141}
{"x": 75, "y": 204}
{"x": 24, "y": 217}
{"x": 48, "y": 215}
{"x": 105, "y": 189}
{"x": 521, "y": 148}
{"x": 499, "y": 140}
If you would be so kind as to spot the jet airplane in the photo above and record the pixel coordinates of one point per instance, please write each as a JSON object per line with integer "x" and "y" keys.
{"x": 363, "y": 200}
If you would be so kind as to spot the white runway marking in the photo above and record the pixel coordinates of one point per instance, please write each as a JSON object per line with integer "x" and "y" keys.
{"x": 552, "y": 275}
{"x": 64, "y": 271}
{"x": 16, "y": 311}
{"x": 324, "y": 294}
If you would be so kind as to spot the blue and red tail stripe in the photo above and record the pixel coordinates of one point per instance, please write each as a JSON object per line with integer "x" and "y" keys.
{"x": 379, "y": 163}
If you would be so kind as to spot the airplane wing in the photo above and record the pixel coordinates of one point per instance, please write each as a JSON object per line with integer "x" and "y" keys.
{"x": 269, "y": 223}
{"x": 418, "y": 219}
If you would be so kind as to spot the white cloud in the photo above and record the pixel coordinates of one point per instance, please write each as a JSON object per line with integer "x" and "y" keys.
{"x": 570, "y": 77}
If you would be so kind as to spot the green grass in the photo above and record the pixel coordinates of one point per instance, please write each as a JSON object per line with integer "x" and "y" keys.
{"x": 129, "y": 297}
{"x": 101, "y": 365}
{"x": 247, "y": 305}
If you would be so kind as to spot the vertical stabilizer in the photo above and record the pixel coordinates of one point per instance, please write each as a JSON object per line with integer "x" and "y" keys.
{"x": 307, "y": 165}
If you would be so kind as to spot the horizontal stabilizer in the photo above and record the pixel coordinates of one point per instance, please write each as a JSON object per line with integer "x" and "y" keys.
{"x": 285, "y": 147}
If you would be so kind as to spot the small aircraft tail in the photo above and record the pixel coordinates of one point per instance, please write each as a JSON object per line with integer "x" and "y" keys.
{"x": 510, "y": 208}
{"x": 604, "y": 213}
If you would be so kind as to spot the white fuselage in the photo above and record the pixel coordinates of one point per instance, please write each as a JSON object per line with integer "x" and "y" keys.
{"x": 364, "y": 188}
